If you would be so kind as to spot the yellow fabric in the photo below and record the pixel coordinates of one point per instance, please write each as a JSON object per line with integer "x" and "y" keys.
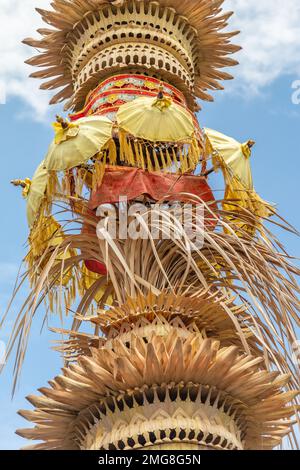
{"x": 236, "y": 195}
{"x": 162, "y": 103}
{"x": 62, "y": 134}
{"x": 143, "y": 118}
{"x": 235, "y": 156}
{"x": 45, "y": 230}
{"x": 44, "y": 237}
{"x": 156, "y": 157}
{"x": 234, "y": 160}
{"x": 36, "y": 193}
{"x": 26, "y": 188}
{"x": 93, "y": 134}
{"x": 25, "y": 184}
{"x": 87, "y": 279}
{"x": 249, "y": 200}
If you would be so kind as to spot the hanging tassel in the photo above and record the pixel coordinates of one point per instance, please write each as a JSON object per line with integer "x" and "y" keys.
{"x": 175, "y": 159}
{"x": 156, "y": 162}
{"x": 138, "y": 156}
{"x": 182, "y": 162}
{"x": 149, "y": 163}
{"x": 142, "y": 150}
{"x": 162, "y": 156}
{"x": 169, "y": 160}
{"x": 164, "y": 163}
{"x": 111, "y": 152}
{"x": 79, "y": 182}
{"x": 193, "y": 154}
{"x": 98, "y": 173}
{"x": 122, "y": 145}
{"x": 54, "y": 191}
{"x": 69, "y": 184}
{"x": 126, "y": 149}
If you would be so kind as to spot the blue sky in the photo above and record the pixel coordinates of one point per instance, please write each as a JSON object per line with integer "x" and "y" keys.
{"x": 258, "y": 105}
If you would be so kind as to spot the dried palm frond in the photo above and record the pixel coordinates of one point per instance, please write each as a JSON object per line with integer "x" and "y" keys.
{"x": 256, "y": 270}
{"x": 75, "y": 344}
{"x": 212, "y": 315}
{"x": 150, "y": 315}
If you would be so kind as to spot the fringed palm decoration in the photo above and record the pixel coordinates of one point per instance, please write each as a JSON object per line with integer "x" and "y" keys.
{"x": 157, "y": 385}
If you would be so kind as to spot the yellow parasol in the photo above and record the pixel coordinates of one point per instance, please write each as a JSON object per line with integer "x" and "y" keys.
{"x": 76, "y": 143}
{"x": 234, "y": 156}
{"x": 36, "y": 193}
{"x": 156, "y": 120}
{"x": 156, "y": 134}
{"x": 234, "y": 160}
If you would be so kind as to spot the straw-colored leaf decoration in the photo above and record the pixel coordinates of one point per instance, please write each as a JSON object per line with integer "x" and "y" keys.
{"x": 73, "y": 412}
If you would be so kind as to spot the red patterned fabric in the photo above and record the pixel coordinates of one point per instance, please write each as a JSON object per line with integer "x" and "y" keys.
{"x": 107, "y": 98}
{"x": 134, "y": 182}
{"x": 122, "y": 88}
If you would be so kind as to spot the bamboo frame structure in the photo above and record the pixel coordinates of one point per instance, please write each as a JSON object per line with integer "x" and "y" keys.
{"x": 204, "y": 47}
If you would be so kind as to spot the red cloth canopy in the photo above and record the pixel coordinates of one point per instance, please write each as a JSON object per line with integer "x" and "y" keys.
{"x": 134, "y": 182}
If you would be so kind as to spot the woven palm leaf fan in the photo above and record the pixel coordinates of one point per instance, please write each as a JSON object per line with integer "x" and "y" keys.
{"x": 234, "y": 160}
{"x": 157, "y": 133}
{"x": 75, "y": 144}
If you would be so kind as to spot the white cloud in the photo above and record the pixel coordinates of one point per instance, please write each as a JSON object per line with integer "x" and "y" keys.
{"x": 18, "y": 19}
{"x": 270, "y": 39}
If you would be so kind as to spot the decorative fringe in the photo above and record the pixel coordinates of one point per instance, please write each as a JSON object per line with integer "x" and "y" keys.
{"x": 159, "y": 156}
{"x": 108, "y": 155}
{"x": 45, "y": 236}
{"x": 74, "y": 181}
{"x": 237, "y": 199}
{"x": 98, "y": 173}
{"x": 68, "y": 186}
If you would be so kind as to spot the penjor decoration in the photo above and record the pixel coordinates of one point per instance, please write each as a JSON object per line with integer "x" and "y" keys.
{"x": 174, "y": 344}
